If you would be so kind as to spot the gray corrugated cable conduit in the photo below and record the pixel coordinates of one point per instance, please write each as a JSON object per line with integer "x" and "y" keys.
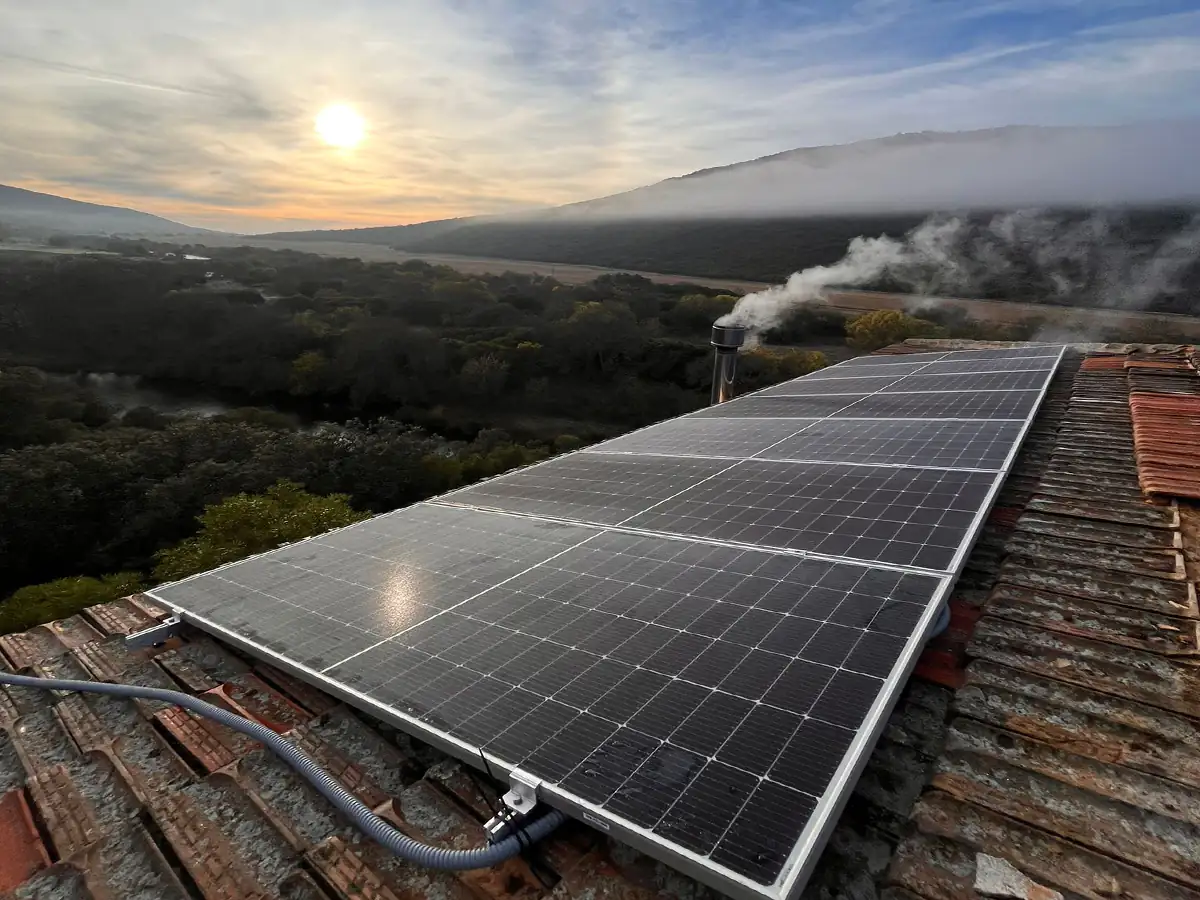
{"x": 379, "y": 830}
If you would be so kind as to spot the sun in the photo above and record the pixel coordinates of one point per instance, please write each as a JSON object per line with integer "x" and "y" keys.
{"x": 340, "y": 126}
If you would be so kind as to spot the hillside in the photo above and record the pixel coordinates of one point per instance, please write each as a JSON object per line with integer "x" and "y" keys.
{"x": 387, "y": 235}
{"x": 46, "y": 212}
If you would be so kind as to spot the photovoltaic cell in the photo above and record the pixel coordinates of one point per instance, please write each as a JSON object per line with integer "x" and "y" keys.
{"x": 704, "y": 437}
{"x": 838, "y": 372}
{"x": 1004, "y": 353}
{"x": 801, "y": 387}
{"x": 958, "y": 367}
{"x": 992, "y": 381}
{"x": 763, "y": 407}
{"x": 590, "y": 487}
{"x": 909, "y": 517}
{"x": 323, "y": 599}
{"x": 974, "y": 444}
{"x": 884, "y": 361}
{"x": 966, "y": 405}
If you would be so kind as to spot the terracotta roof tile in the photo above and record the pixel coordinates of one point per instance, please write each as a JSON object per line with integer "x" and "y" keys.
{"x": 1073, "y": 754}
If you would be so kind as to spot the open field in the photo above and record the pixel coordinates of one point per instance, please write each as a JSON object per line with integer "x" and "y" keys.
{"x": 476, "y": 265}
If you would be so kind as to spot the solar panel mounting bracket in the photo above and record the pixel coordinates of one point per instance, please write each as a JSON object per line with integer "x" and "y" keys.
{"x": 517, "y": 804}
{"x": 156, "y": 634}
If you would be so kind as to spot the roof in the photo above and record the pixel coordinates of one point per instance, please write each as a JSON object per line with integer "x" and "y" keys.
{"x": 1060, "y": 759}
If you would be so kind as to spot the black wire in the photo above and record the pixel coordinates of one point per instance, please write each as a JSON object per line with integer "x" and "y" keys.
{"x": 479, "y": 786}
{"x": 506, "y": 815}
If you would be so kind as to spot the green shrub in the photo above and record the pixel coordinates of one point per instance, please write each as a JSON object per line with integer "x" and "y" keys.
{"x": 888, "y": 326}
{"x": 254, "y": 523}
{"x": 64, "y": 597}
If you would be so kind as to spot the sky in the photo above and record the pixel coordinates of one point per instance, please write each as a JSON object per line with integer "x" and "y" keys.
{"x": 204, "y": 112}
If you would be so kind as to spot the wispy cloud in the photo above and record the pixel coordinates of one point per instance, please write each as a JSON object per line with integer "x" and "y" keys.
{"x": 203, "y": 112}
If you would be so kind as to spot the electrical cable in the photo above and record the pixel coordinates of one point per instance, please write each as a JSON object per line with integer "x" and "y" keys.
{"x": 378, "y": 829}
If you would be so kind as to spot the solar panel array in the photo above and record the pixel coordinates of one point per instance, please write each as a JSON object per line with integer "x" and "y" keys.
{"x": 691, "y": 634}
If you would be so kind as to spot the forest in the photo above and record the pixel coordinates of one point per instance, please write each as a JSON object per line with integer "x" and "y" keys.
{"x": 363, "y": 387}
{"x": 1082, "y": 257}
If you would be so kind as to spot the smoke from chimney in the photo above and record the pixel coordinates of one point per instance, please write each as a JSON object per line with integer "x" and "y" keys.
{"x": 1023, "y": 255}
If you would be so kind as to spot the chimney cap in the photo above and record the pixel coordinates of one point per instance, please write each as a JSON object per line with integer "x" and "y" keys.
{"x": 728, "y": 337}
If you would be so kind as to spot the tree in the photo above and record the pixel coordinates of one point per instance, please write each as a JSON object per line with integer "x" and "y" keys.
{"x": 254, "y": 523}
{"x": 484, "y": 376}
{"x": 762, "y": 366}
{"x": 310, "y": 373}
{"x": 697, "y": 312}
{"x": 596, "y": 335}
{"x": 64, "y": 597}
{"x": 887, "y": 326}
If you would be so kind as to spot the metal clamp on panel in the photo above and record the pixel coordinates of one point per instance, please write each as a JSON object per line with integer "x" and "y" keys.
{"x": 516, "y": 805}
{"x": 155, "y": 634}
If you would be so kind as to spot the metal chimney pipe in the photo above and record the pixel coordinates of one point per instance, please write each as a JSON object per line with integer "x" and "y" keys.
{"x": 726, "y": 340}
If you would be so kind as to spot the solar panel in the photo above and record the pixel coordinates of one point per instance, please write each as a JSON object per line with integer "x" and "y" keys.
{"x": 604, "y": 490}
{"x": 971, "y": 444}
{"x": 905, "y": 359}
{"x": 333, "y": 595}
{"x": 953, "y": 367}
{"x": 963, "y": 405}
{"x": 729, "y": 438}
{"x": 1004, "y": 353}
{"x": 808, "y": 386}
{"x": 992, "y": 381}
{"x": 760, "y": 406}
{"x": 844, "y": 370}
{"x": 637, "y": 674}
{"x": 968, "y": 444}
{"x": 915, "y": 382}
{"x": 691, "y": 635}
{"x": 904, "y": 516}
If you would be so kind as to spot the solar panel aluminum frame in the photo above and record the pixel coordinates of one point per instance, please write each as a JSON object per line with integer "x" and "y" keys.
{"x": 806, "y": 852}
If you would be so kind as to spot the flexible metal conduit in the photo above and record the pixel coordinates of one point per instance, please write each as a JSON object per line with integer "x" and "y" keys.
{"x": 379, "y": 830}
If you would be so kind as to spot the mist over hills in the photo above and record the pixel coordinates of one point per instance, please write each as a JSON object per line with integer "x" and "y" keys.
{"x": 999, "y": 168}
{"x": 763, "y": 219}
{"x": 47, "y": 212}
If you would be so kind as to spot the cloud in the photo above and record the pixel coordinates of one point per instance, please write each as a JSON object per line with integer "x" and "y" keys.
{"x": 203, "y": 112}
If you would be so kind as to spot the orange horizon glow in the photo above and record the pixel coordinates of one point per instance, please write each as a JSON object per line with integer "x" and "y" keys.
{"x": 217, "y": 216}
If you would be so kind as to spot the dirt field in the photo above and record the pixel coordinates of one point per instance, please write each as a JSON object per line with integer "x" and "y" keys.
{"x": 477, "y": 265}
{"x": 1066, "y": 321}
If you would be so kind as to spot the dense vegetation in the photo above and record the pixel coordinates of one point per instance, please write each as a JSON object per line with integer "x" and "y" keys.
{"x": 413, "y": 379}
{"x": 414, "y": 341}
{"x": 1084, "y": 258}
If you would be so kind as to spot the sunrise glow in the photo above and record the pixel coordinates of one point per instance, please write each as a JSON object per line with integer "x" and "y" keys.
{"x": 341, "y": 126}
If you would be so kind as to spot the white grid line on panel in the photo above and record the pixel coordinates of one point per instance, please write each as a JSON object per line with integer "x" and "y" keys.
{"x": 864, "y": 570}
{"x": 460, "y": 603}
{"x": 900, "y": 377}
{"x": 807, "y": 460}
{"x": 703, "y": 539}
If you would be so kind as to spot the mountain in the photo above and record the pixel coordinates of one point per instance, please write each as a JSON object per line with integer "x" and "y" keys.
{"x": 763, "y": 219}
{"x": 999, "y": 168}
{"x": 389, "y": 235}
{"x": 46, "y": 212}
